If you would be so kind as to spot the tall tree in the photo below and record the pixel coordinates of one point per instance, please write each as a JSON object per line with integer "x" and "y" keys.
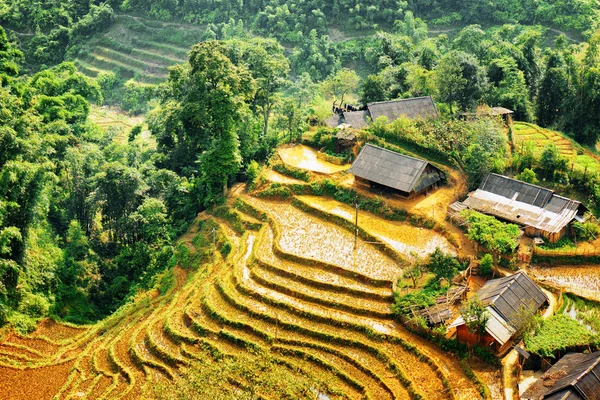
{"x": 553, "y": 91}
{"x": 343, "y": 82}
{"x": 460, "y": 80}
{"x": 206, "y": 100}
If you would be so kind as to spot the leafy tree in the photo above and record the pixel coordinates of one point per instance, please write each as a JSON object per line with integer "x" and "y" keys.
{"x": 269, "y": 68}
{"x": 552, "y": 161}
{"x": 496, "y": 236}
{"x": 316, "y": 56}
{"x": 442, "y": 265}
{"x": 460, "y": 80}
{"x": 528, "y": 175}
{"x": 553, "y": 91}
{"x": 475, "y": 316}
{"x": 508, "y": 88}
{"x": 204, "y": 106}
{"x": 344, "y": 81}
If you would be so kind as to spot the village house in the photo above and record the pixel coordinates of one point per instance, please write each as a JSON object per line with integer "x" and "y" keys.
{"x": 504, "y": 113}
{"x": 575, "y": 377}
{"x": 412, "y": 108}
{"x": 541, "y": 212}
{"x": 404, "y": 175}
{"x": 506, "y": 301}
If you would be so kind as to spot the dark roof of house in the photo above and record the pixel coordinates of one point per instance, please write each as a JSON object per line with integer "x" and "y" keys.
{"x": 509, "y": 188}
{"x": 393, "y": 169}
{"x": 411, "y": 108}
{"x": 333, "y": 121}
{"x": 582, "y": 379}
{"x": 575, "y": 377}
{"x": 508, "y": 295}
{"x": 523, "y": 203}
{"x": 356, "y": 119}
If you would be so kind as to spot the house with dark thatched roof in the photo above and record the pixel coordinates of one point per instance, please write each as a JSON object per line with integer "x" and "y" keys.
{"x": 540, "y": 211}
{"x": 505, "y": 113}
{"x": 507, "y": 301}
{"x": 576, "y": 376}
{"x": 416, "y": 107}
{"x": 386, "y": 169}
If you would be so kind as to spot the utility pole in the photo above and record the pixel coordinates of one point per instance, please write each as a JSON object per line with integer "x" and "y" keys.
{"x": 355, "y": 223}
{"x": 214, "y": 245}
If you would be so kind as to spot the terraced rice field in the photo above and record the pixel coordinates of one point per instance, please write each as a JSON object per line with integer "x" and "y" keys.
{"x": 408, "y": 240}
{"x": 319, "y": 313}
{"x": 582, "y": 280}
{"x": 145, "y": 60}
{"x": 306, "y": 158}
{"x": 579, "y": 157}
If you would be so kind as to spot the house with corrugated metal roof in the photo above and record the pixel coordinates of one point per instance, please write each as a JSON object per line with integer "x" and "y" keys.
{"x": 576, "y": 376}
{"x": 506, "y": 301}
{"x": 405, "y": 175}
{"x": 416, "y": 107}
{"x": 540, "y": 211}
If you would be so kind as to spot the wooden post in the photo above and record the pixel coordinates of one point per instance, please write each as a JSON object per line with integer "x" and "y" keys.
{"x": 355, "y": 223}
{"x": 214, "y": 245}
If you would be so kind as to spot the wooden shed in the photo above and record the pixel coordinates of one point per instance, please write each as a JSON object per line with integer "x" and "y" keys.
{"x": 404, "y": 175}
{"x": 504, "y": 299}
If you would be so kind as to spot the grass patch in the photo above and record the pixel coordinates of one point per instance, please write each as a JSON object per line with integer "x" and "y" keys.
{"x": 558, "y": 334}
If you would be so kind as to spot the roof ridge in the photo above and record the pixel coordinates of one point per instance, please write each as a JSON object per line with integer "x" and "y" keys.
{"x": 523, "y": 182}
{"x": 396, "y": 153}
{"x": 400, "y": 100}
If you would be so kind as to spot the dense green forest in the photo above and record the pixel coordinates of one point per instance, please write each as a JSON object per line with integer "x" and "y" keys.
{"x": 86, "y": 219}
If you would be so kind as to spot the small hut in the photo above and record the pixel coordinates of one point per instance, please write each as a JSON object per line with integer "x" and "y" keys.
{"x": 505, "y": 113}
{"x": 504, "y": 299}
{"x": 575, "y": 377}
{"x": 404, "y": 175}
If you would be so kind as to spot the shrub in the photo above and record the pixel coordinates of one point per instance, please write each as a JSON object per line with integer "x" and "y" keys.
{"x": 587, "y": 231}
{"x": 293, "y": 172}
{"x": 34, "y": 305}
{"x": 3, "y": 314}
{"x": 277, "y": 191}
{"x": 22, "y": 323}
{"x": 253, "y": 170}
{"x": 558, "y": 333}
{"x": 486, "y": 264}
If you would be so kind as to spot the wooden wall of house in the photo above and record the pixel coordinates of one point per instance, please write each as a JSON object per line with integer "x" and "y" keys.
{"x": 463, "y": 335}
{"x": 549, "y": 237}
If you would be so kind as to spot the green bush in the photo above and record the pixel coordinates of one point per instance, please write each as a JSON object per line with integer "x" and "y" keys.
{"x": 252, "y": 171}
{"x": 558, "y": 333}
{"x": 587, "y": 231}
{"x": 22, "y": 323}
{"x": 3, "y": 314}
{"x": 34, "y": 305}
{"x": 296, "y": 173}
{"x": 486, "y": 264}
{"x": 276, "y": 190}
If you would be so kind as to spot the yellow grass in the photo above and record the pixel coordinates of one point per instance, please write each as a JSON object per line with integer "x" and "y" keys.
{"x": 308, "y": 236}
{"x": 406, "y": 239}
{"x": 306, "y": 158}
